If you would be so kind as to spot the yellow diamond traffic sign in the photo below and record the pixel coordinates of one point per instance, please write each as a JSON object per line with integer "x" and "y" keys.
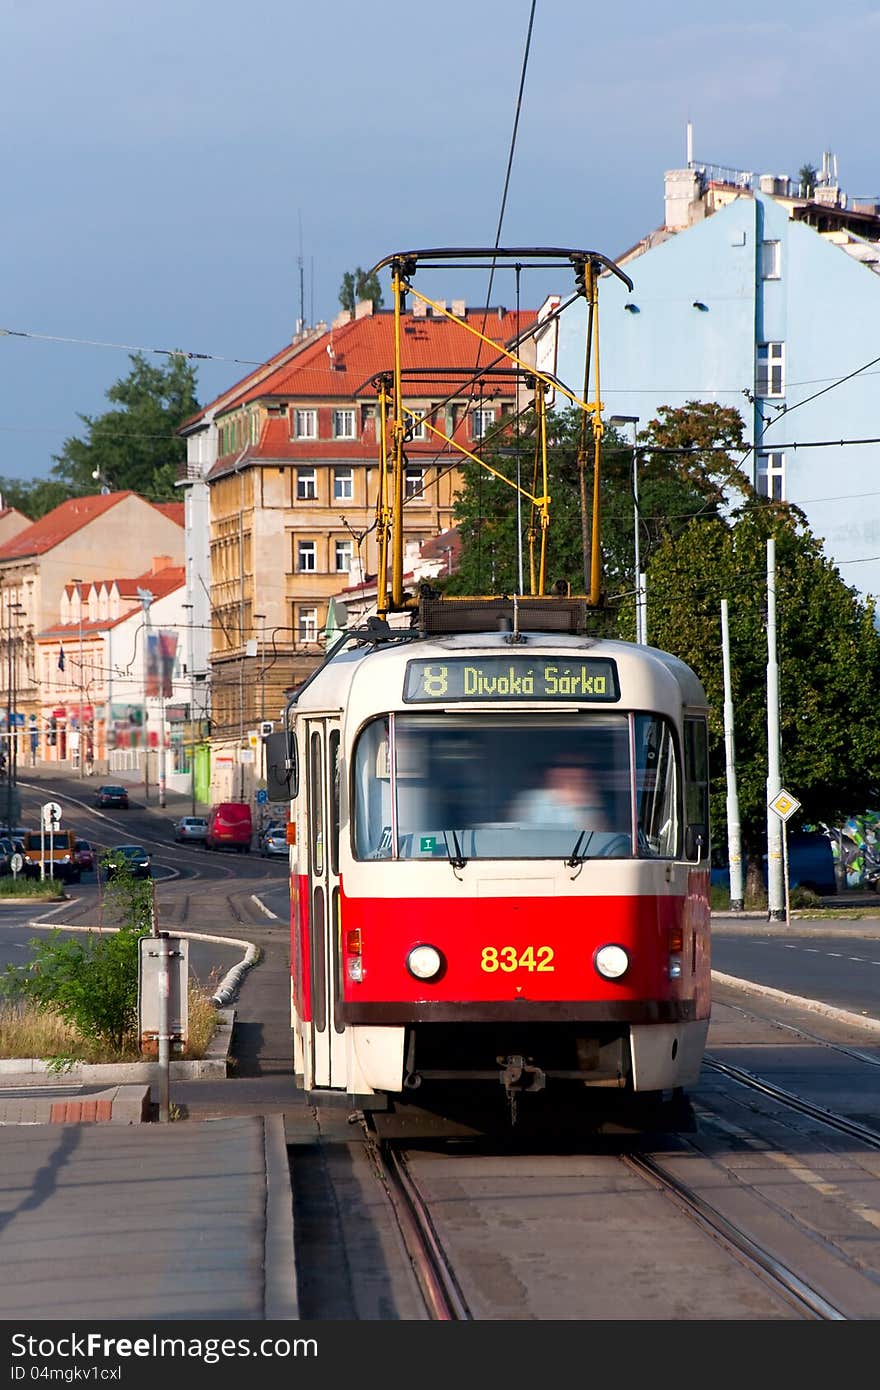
{"x": 784, "y": 804}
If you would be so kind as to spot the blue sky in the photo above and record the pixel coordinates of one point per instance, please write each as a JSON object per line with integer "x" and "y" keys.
{"x": 168, "y": 166}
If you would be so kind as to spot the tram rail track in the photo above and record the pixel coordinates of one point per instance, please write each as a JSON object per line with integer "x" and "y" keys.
{"x": 431, "y": 1265}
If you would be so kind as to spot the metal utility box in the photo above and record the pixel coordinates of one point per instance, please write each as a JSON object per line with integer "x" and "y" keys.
{"x": 150, "y": 985}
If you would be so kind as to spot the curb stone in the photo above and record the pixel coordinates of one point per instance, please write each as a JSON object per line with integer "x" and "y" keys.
{"x": 33, "y": 1092}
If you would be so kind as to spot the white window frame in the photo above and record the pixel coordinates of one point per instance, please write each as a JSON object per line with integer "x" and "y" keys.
{"x": 305, "y": 424}
{"x": 770, "y": 475}
{"x": 342, "y": 552}
{"x": 418, "y": 428}
{"x": 306, "y": 551}
{"x": 482, "y": 419}
{"x": 307, "y": 624}
{"x": 343, "y": 484}
{"x": 414, "y": 482}
{"x": 771, "y": 260}
{"x": 770, "y": 370}
{"x": 344, "y": 423}
{"x": 306, "y": 485}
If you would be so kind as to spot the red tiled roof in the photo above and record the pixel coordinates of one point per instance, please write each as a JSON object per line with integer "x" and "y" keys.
{"x": 61, "y": 522}
{"x": 362, "y": 347}
{"x": 161, "y": 582}
{"x": 175, "y": 511}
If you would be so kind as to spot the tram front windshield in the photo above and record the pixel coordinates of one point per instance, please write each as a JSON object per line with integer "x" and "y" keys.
{"x": 504, "y": 787}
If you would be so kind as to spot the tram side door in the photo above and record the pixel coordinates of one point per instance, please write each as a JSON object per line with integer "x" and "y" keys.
{"x": 325, "y": 1066}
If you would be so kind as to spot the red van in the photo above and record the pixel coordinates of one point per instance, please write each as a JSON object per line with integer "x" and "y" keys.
{"x": 230, "y": 827}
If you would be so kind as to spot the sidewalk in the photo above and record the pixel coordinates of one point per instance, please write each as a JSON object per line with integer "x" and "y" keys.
{"x": 192, "y": 1219}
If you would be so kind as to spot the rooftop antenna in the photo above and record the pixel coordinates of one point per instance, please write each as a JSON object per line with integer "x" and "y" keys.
{"x": 690, "y": 143}
{"x": 299, "y": 261}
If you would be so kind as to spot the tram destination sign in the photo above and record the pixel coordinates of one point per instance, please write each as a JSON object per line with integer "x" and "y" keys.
{"x": 505, "y": 678}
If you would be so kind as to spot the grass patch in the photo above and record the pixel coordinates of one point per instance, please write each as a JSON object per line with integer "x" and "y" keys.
{"x": 28, "y": 1031}
{"x": 47, "y": 888}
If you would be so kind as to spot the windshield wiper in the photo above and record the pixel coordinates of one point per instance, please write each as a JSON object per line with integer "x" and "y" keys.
{"x": 457, "y": 860}
{"x": 575, "y": 858}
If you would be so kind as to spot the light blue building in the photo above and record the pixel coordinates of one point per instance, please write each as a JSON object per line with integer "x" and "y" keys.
{"x": 761, "y": 301}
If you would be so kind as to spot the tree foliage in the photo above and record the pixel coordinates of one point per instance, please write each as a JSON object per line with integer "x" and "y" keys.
{"x": 807, "y": 175}
{"x": 828, "y": 651}
{"x": 356, "y": 285}
{"x": 702, "y": 537}
{"x": 133, "y": 446}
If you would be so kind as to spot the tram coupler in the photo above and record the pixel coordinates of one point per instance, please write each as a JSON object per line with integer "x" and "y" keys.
{"x": 519, "y": 1075}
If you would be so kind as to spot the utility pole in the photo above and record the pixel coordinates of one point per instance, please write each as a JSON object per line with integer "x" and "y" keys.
{"x": 192, "y": 702}
{"x": 734, "y": 842}
{"x": 80, "y": 721}
{"x": 641, "y": 603}
{"x": 775, "y": 893}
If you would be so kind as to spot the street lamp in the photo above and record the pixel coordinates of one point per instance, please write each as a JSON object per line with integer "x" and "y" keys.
{"x": 192, "y": 704}
{"x": 641, "y": 604}
{"x": 79, "y": 722}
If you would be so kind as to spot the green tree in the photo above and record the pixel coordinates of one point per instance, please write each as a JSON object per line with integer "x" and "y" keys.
{"x": 828, "y": 649}
{"x": 683, "y": 471}
{"x": 357, "y": 284}
{"x": 134, "y": 445}
{"x": 807, "y": 175}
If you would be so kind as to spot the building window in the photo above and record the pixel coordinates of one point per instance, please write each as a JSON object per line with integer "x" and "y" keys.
{"x": 417, "y": 428}
{"x": 306, "y": 558}
{"x": 769, "y": 376}
{"x": 343, "y": 557}
{"x": 414, "y": 482}
{"x": 306, "y": 485}
{"x": 307, "y": 624}
{"x": 771, "y": 260}
{"x": 482, "y": 422}
{"x": 305, "y": 424}
{"x": 343, "y": 424}
{"x": 770, "y": 476}
{"x": 343, "y": 485}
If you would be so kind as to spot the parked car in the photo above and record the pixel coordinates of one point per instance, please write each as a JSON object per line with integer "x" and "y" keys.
{"x": 273, "y": 840}
{"x": 11, "y": 845}
{"x": 810, "y": 864}
{"x": 230, "y": 827}
{"x": 134, "y": 856}
{"x": 190, "y": 828}
{"x": 84, "y": 855}
{"x": 112, "y": 795}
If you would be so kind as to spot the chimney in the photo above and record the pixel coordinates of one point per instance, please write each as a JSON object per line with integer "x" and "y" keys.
{"x": 419, "y": 309}
{"x": 161, "y": 562}
{"x": 364, "y": 309}
{"x": 459, "y": 308}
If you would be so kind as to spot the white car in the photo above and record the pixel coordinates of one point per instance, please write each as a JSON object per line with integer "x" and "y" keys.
{"x": 190, "y": 828}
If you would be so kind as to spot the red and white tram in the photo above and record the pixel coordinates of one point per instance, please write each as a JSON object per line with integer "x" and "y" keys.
{"x": 454, "y": 952}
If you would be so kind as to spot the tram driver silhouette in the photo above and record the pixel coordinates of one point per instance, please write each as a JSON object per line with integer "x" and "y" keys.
{"x": 568, "y": 796}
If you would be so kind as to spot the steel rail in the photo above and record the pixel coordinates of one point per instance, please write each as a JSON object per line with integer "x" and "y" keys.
{"x": 765, "y": 1265}
{"x": 436, "y": 1279}
{"x": 851, "y": 1128}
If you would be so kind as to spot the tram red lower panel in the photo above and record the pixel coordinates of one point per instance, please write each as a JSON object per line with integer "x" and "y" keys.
{"x": 507, "y": 948}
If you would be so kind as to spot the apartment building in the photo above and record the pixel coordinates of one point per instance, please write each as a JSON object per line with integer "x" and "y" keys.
{"x": 289, "y": 461}
{"x": 759, "y": 293}
{"x": 83, "y": 539}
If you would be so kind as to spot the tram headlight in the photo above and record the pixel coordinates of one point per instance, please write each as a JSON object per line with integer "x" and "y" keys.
{"x": 424, "y": 962}
{"x": 611, "y": 962}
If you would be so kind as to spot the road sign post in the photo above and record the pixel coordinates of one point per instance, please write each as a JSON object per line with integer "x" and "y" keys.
{"x": 784, "y": 805}
{"x": 50, "y": 819}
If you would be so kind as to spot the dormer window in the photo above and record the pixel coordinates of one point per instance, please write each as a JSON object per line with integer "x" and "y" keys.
{"x": 343, "y": 424}
{"x": 305, "y": 424}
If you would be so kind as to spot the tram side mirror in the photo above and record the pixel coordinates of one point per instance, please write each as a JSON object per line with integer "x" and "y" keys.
{"x": 282, "y": 771}
{"x": 696, "y": 840}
